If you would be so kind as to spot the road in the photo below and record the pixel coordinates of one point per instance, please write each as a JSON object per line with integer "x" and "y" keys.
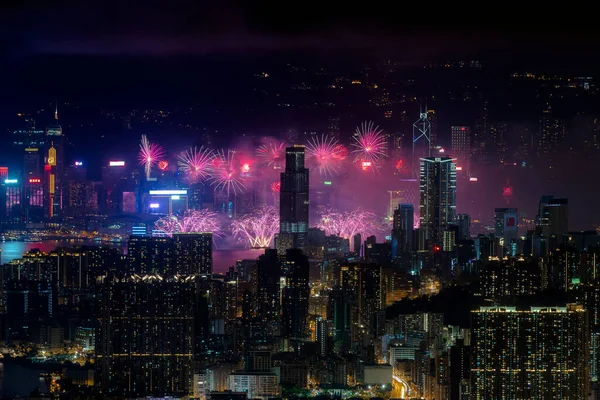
{"x": 401, "y": 388}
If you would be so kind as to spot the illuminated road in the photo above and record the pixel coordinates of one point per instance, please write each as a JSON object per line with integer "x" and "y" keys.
{"x": 403, "y": 386}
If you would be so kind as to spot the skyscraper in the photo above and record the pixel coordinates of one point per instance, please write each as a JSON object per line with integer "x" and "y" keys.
{"x": 461, "y": 146}
{"x": 403, "y": 225}
{"x": 150, "y": 255}
{"x": 295, "y": 295}
{"x": 293, "y": 209}
{"x": 532, "y": 353}
{"x": 506, "y": 224}
{"x": 193, "y": 253}
{"x": 55, "y": 166}
{"x": 145, "y": 335}
{"x": 268, "y": 273}
{"x": 438, "y": 197}
{"x": 553, "y": 219}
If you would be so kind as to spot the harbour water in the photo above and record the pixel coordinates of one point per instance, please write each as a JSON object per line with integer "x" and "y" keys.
{"x": 222, "y": 258}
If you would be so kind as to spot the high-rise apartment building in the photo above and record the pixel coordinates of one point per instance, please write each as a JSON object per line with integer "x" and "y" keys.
{"x": 531, "y": 353}
{"x": 150, "y": 255}
{"x": 461, "y": 146}
{"x": 437, "y": 197}
{"x": 293, "y": 208}
{"x": 145, "y": 335}
{"x": 193, "y": 253}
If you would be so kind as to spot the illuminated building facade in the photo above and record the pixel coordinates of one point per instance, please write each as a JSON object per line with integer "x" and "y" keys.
{"x": 13, "y": 201}
{"x": 55, "y": 164}
{"x": 437, "y": 197}
{"x": 145, "y": 335}
{"x": 293, "y": 211}
{"x": 34, "y": 200}
{"x": 531, "y": 353}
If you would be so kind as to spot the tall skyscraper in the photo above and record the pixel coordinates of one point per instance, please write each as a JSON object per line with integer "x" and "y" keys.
{"x": 461, "y": 146}
{"x": 506, "y": 224}
{"x": 295, "y": 295}
{"x": 438, "y": 197}
{"x": 293, "y": 208}
{"x": 268, "y": 292}
{"x": 553, "y": 219}
{"x": 55, "y": 165}
{"x": 145, "y": 335}
{"x": 193, "y": 253}
{"x": 531, "y": 353}
{"x": 403, "y": 226}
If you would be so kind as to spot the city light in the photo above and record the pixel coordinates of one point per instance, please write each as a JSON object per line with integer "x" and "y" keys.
{"x": 459, "y": 168}
{"x": 35, "y": 180}
{"x": 472, "y": 179}
{"x": 168, "y": 192}
{"x": 116, "y": 163}
{"x": 78, "y": 163}
{"x": 9, "y": 181}
{"x": 154, "y": 205}
{"x": 175, "y": 197}
{"x": 327, "y": 183}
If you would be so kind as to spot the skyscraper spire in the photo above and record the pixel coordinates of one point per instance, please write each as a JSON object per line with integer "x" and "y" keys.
{"x": 56, "y": 109}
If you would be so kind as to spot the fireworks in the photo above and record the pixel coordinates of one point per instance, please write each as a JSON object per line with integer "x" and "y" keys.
{"x": 349, "y": 224}
{"x": 257, "y": 229}
{"x": 369, "y": 144}
{"x": 272, "y": 153}
{"x": 225, "y": 175}
{"x": 190, "y": 221}
{"x": 162, "y": 165}
{"x": 276, "y": 187}
{"x": 196, "y": 163}
{"x": 326, "y": 153}
{"x": 149, "y": 155}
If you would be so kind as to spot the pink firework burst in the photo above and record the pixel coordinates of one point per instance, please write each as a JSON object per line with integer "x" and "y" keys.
{"x": 149, "y": 155}
{"x": 349, "y": 224}
{"x": 196, "y": 163}
{"x": 326, "y": 154}
{"x": 190, "y": 221}
{"x": 257, "y": 230}
{"x": 272, "y": 153}
{"x": 369, "y": 143}
{"x": 226, "y": 174}
{"x": 276, "y": 187}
